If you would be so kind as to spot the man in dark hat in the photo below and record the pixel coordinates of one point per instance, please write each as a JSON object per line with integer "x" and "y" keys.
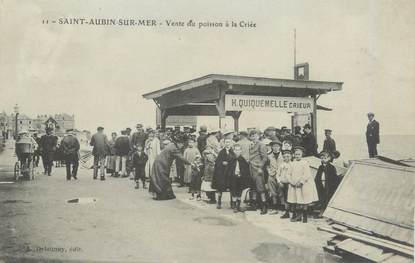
{"x": 201, "y": 140}
{"x": 70, "y": 148}
{"x": 309, "y": 141}
{"x": 297, "y": 130}
{"x": 48, "y": 143}
{"x": 258, "y": 157}
{"x": 100, "y": 145}
{"x": 122, "y": 149}
{"x": 372, "y": 135}
{"x": 329, "y": 143}
{"x": 139, "y": 137}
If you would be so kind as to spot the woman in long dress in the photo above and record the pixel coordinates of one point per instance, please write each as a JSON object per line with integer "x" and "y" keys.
{"x": 160, "y": 184}
{"x": 111, "y": 158}
{"x": 152, "y": 149}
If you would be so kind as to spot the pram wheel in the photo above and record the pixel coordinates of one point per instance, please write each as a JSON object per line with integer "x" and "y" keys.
{"x": 16, "y": 171}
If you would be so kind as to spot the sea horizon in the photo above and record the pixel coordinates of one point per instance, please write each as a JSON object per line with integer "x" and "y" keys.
{"x": 354, "y": 146}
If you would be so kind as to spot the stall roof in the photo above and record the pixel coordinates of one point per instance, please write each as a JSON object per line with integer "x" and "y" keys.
{"x": 311, "y": 87}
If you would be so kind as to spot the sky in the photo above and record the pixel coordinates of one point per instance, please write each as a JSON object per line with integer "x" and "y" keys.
{"x": 99, "y": 73}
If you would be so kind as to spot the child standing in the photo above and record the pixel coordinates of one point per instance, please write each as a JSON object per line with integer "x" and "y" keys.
{"x": 302, "y": 190}
{"x": 240, "y": 178}
{"x": 221, "y": 178}
{"x": 209, "y": 158}
{"x": 196, "y": 178}
{"x": 139, "y": 163}
{"x": 190, "y": 154}
{"x": 326, "y": 180}
{"x": 274, "y": 162}
{"x": 284, "y": 174}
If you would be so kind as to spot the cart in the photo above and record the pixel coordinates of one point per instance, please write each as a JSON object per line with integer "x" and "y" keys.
{"x": 25, "y": 166}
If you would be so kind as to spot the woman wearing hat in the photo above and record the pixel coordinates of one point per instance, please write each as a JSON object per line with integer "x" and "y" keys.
{"x": 152, "y": 149}
{"x": 160, "y": 184}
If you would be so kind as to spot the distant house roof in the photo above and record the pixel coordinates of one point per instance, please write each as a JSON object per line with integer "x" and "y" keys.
{"x": 23, "y": 117}
{"x": 63, "y": 116}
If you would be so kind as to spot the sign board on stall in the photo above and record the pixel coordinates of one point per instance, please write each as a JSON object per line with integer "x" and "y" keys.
{"x": 268, "y": 103}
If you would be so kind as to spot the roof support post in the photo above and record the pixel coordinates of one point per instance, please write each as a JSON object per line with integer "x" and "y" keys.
{"x": 164, "y": 116}
{"x": 220, "y": 104}
{"x": 314, "y": 116}
{"x": 235, "y": 116}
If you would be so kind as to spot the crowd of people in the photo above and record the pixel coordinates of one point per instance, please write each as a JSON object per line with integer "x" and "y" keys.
{"x": 265, "y": 169}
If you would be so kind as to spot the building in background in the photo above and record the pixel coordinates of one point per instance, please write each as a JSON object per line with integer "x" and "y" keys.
{"x": 4, "y": 125}
{"x": 59, "y": 122}
{"x": 64, "y": 122}
{"x": 24, "y": 123}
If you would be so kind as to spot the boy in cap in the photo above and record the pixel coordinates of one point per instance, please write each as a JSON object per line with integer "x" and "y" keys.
{"x": 196, "y": 182}
{"x": 190, "y": 154}
{"x": 222, "y": 172}
{"x": 273, "y": 164}
{"x": 139, "y": 163}
{"x": 257, "y": 160}
{"x": 239, "y": 177}
{"x": 326, "y": 180}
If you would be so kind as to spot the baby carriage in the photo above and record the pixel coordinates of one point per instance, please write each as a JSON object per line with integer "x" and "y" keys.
{"x": 24, "y": 167}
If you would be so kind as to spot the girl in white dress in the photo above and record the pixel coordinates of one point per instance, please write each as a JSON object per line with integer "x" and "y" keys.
{"x": 302, "y": 190}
